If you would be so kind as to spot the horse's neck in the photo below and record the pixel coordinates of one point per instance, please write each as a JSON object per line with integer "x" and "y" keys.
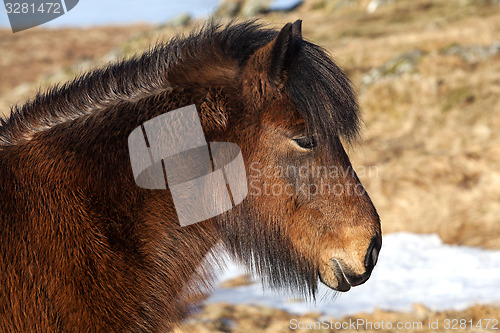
{"x": 79, "y": 192}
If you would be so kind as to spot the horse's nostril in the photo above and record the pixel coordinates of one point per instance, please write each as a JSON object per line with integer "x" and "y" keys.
{"x": 372, "y": 253}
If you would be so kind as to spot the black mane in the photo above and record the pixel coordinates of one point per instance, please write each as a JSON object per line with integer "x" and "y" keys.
{"x": 319, "y": 89}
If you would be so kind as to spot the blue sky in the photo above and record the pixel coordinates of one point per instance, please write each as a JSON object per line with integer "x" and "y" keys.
{"x": 98, "y": 12}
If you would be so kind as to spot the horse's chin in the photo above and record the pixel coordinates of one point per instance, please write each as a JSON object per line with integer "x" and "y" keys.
{"x": 341, "y": 277}
{"x": 335, "y": 279}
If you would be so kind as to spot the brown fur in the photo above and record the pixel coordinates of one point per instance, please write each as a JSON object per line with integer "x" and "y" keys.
{"x": 83, "y": 249}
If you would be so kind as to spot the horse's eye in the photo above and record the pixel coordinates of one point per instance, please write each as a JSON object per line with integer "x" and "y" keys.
{"x": 306, "y": 142}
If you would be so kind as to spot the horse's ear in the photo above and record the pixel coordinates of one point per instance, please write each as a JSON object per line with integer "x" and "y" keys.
{"x": 282, "y": 52}
{"x": 274, "y": 58}
{"x": 297, "y": 28}
{"x": 284, "y": 49}
{"x": 266, "y": 69}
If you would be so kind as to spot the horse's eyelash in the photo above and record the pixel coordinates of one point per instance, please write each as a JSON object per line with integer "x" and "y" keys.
{"x": 306, "y": 141}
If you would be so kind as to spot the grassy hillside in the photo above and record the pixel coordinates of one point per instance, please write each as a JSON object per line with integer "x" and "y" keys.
{"x": 428, "y": 78}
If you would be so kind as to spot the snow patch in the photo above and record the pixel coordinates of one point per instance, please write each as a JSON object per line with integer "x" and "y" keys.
{"x": 411, "y": 269}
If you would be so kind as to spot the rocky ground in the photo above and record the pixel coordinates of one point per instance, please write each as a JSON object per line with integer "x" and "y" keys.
{"x": 428, "y": 78}
{"x": 247, "y": 318}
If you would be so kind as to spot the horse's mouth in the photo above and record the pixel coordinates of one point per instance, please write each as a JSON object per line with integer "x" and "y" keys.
{"x": 340, "y": 283}
{"x": 343, "y": 280}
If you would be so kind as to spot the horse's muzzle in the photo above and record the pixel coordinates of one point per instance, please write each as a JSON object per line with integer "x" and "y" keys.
{"x": 344, "y": 275}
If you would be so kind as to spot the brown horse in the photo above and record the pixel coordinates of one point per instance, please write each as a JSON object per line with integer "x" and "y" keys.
{"x": 84, "y": 249}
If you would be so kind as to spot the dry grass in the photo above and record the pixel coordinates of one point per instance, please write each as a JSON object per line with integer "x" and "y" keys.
{"x": 33, "y": 54}
{"x": 248, "y": 318}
